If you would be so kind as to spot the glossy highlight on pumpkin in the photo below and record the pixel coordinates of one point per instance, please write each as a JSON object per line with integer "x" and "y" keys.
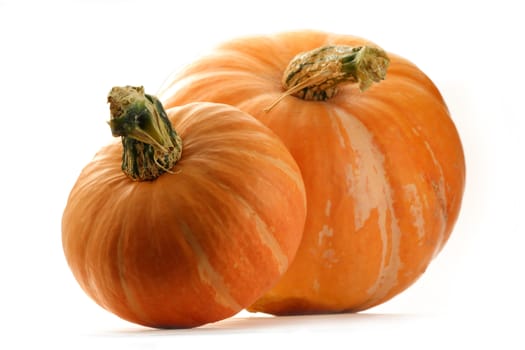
{"x": 384, "y": 168}
{"x": 200, "y": 242}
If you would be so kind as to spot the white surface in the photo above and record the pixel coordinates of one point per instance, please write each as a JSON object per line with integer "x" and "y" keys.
{"x": 58, "y": 60}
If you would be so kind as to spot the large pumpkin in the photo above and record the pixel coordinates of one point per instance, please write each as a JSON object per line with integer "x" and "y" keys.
{"x": 382, "y": 163}
{"x": 177, "y": 240}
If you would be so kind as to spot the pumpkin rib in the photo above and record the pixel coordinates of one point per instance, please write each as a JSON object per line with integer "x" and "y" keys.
{"x": 208, "y": 273}
{"x": 402, "y": 72}
{"x": 379, "y": 107}
{"x": 122, "y": 224}
{"x": 200, "y": 81}
{"x": 438, "y": 186}
{"x": 90, "y": 246}
{"x": 234, "y": 60}
{"x": 409, "y": 132}
{"x": 134, "y": 310}
{"x": 447, "y": 156}
{"x": 265, "y": 236}
{"x": 440, "y": 193}
{"x": 392, "y": 260}
{"x": 277, "y": 163}
{"x": 244, "y": 48}
{"x": 367, "y": 145}
{"x": 86, "y": 244}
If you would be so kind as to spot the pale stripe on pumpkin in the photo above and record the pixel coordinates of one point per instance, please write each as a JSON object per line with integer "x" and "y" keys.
{"x": 440, "y": 193}
{"x": 416, "y": 209}
{"x": 439, "y": 190}
{"x": 208, "y": 274}
{"x": 265, "y": 235}
{"x": 293, "y": 174}
{"x": 371, "y": 190}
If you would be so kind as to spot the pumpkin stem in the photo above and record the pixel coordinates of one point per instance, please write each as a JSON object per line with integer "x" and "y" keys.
{"x": 315, "y": 75}
{"x": 151, "y": 146}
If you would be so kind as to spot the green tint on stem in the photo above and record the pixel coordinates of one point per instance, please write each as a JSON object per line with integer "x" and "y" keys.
{"x": 316, "y": 75}
{"x": 151, "y": 146}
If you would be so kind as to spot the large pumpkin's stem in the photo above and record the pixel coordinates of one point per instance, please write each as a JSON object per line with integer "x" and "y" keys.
{"x": 151, "y": 146}
{"x": 315, "y": 75}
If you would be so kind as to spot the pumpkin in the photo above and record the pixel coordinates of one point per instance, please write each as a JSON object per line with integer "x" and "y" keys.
{"x": 380, "y": 156}
{"x": 205, "y": 215}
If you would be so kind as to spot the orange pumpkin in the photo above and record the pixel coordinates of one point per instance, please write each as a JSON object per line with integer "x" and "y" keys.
{"x": 382, "y": 163}
{"x": 183, "y": 239}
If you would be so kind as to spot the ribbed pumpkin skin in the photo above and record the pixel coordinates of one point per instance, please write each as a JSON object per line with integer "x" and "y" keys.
{"x": 384, "y": 169}
{"x": 195, "y": 246}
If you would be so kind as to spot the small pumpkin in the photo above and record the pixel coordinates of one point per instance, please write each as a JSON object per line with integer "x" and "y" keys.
{"x": 380, "y": 156}
{"x": 183, "y": 236}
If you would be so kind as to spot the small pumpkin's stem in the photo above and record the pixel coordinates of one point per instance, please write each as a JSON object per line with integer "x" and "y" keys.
{"x": 151, "y": 146}
{"x": 315, "y": 75}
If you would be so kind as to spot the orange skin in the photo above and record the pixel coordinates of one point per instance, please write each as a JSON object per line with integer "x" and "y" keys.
{"x": 384, "y": 169}
{"x": 196, "y": 245}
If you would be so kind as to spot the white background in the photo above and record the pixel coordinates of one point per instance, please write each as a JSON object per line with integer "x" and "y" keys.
{"x": 58, "y": 61}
